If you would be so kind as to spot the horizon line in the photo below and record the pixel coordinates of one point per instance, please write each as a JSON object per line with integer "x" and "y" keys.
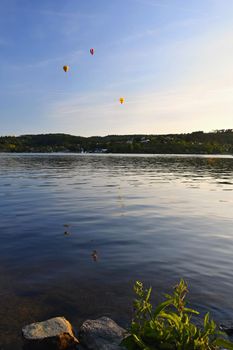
{"x": 137, "y": 134}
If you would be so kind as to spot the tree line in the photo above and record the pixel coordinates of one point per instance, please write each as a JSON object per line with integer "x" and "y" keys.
{"x": 199, "y": 142}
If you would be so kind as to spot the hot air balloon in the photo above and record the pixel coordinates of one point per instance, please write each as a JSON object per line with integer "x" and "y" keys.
{"x": 92, "y": 51}
{"x": 66, "y": 68}
{"x": 122, "y": 100}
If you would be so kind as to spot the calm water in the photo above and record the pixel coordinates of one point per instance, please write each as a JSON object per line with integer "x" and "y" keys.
{"x": 152, "y": 218}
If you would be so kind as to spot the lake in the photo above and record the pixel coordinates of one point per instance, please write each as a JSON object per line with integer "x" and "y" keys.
{"x": 77, "y": 230}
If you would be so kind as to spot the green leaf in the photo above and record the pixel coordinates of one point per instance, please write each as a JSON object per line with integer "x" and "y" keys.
{"x": 140, "y": 343}
{"x": 206, "y": 320}
{"x": 222, "y": 342}
{"x": 172, "y": 317}
{"x": 161, "y": 307}
{"x": 148, "y": 294}
{"x": 187, "y": 309}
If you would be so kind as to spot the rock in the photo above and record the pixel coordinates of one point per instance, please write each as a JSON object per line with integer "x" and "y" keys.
{"x": 101, "y": 334}
{"x": 227, "y": 328}
{"x": 53, "y": 334}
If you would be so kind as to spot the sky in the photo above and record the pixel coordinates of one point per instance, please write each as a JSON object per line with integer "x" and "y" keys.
{"x": 172, "y": 61}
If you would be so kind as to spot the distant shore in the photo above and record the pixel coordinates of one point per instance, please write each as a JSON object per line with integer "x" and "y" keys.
{"x": 216, "y": 142}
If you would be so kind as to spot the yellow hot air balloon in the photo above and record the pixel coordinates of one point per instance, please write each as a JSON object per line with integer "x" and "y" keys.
{"x": 122, "y": 100}
{"x": 66, "y": 68}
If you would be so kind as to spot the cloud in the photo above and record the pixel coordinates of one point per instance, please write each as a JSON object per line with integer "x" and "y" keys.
{"x": 164, "y": 29}
{"x": 69, "y": 57}
{"x": 200, "y": 99}
{"x": 182, "y": 109}
{"x": 166, "y": 5}
{"x": 64, "y": 14}
{"x": 181, "y": 82}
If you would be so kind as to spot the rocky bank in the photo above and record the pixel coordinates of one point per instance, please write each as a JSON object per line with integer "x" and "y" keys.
{"x": 57, "y": 334}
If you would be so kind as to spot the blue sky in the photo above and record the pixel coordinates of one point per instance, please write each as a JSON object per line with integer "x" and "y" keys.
{"x": 172, "y": 60}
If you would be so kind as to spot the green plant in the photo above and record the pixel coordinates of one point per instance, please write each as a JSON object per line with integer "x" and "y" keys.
{"x": 169, "y": 326}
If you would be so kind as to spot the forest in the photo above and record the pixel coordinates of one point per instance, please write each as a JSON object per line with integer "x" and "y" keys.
{"x": 199, "y": 142}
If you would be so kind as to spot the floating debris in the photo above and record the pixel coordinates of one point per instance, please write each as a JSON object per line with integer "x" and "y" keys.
{"x": 66, "y": 233}
{"x": 94, "y": 255}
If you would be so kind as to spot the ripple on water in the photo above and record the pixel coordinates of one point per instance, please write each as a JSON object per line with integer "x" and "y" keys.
{"x": 152, "y": 218}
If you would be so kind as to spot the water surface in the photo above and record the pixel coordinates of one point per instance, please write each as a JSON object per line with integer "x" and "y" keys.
{"x": 152, "y": 218}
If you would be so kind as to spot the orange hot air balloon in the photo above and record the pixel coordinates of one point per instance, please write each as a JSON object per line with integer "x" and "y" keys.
{"x": 66, "y": 68}
{"x": 122, "y": 100}
{"x": 92, "y": 51}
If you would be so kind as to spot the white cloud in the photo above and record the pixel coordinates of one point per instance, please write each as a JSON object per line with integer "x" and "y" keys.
{"x": 68, "y": 57}
{"x": 186, "y": 109}
{"x": 200, "y": 100}
{"x": 166, "y": 5}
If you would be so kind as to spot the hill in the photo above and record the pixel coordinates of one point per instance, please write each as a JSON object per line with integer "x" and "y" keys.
{"x": 199, "y": 142}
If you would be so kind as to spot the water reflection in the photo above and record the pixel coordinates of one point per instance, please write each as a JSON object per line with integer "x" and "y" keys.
{"x": 77, "y": 230}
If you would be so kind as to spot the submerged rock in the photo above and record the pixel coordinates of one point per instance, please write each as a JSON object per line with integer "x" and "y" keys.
{"x": 227, "y": 328}
{"x": 101, "y": 334}
{"x": 53, "y": 334}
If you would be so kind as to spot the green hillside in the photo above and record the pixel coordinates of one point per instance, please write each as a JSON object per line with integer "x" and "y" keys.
{"x": 216, "y": 142}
